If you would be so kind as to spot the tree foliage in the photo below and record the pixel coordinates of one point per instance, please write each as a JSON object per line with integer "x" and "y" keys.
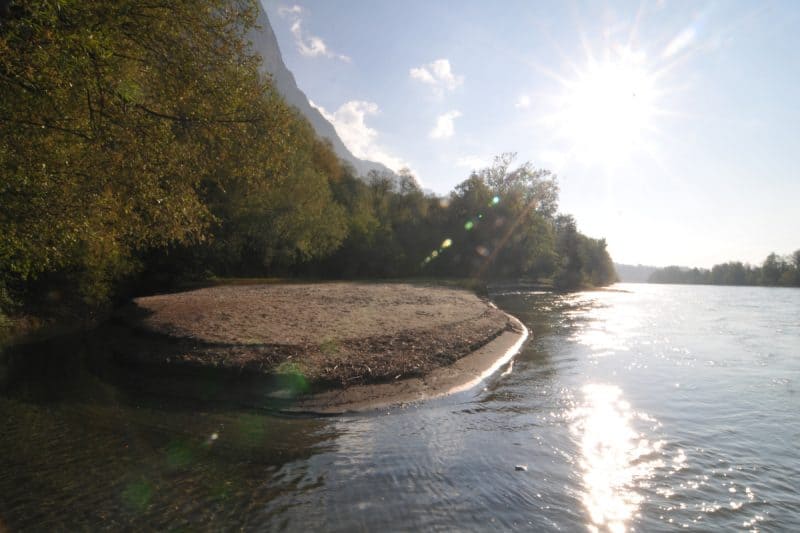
{"x": 128, "y": 126}
{"x": 501, "y": 223}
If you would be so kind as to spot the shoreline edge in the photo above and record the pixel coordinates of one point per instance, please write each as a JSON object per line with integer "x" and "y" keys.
{"x": 463, "y": 375}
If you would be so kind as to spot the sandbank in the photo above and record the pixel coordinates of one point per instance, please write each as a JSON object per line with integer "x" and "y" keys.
{"x": 347, "y": 346}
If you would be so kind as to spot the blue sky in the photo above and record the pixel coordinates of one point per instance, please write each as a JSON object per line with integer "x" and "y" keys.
{"x": 673, "y": 127}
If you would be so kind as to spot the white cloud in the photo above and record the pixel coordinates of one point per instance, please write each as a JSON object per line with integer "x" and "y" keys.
{"x": 681, "y": 41}
{"x": 422, "y": 74}
{"x": 523, "y": 102}
{"x": 445, "y": 126}
{"x": 437, "y": 74}
{"x": 350, "y": 123}
{"x": 308, "y": 45}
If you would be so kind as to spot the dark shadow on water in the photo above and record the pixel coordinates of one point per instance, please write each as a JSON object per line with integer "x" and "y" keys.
{"x": 73, "y": 378}
{"x": 85, "y": 368}
{"x": 89, "y": 443}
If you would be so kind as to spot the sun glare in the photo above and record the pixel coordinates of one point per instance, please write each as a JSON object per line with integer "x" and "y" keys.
{"x": 615, "y": 458}
{"x": 606, "y": 112}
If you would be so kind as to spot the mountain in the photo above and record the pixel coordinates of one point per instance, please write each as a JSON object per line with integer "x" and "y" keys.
{"x": 634, "y": 273}
{"x": 266, "y": 45}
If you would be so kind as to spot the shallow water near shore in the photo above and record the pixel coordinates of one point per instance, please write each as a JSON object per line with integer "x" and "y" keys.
{"x": 660, "y": 408}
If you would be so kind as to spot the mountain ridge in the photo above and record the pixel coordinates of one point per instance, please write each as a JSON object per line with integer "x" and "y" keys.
{"x": 265, "y": 43}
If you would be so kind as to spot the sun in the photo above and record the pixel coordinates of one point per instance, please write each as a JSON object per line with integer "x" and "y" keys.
{"x": 607, "y": 112}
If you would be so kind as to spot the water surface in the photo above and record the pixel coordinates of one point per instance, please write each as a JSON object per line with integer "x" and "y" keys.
{"x": 661, "y": 408}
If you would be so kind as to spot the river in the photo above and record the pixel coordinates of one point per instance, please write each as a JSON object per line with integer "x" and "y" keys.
{"x": 650, "y": 408}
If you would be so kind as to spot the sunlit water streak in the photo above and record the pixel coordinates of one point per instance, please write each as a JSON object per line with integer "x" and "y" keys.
{"x": 651, "y": 410}
{"x": 615, "y": 458}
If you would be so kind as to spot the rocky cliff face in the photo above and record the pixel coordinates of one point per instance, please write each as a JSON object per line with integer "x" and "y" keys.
{"x": 265, "y": 43}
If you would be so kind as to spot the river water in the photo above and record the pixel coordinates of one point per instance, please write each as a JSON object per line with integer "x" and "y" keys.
{"x": 653, "y": 408}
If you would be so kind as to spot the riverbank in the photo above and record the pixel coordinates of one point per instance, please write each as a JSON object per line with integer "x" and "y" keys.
{"x": 330, "y": 346}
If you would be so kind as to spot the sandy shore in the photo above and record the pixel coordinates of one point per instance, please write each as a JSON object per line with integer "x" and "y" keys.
{"x": 341, "y": 346}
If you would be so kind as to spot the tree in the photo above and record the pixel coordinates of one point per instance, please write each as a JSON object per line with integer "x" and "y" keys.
{"x": 597, "y": 264}
{"x": 568, "y": 273}
{"x": 500, "y": 223}
{"x": 772, "y": 269}
{"x": 112, "y": 113}
{"x": 130, "y": 130}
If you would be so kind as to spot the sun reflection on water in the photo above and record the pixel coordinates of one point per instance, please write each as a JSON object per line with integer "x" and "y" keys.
{"x": 614, "y": 459}
{"x": 609, "y": 328}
